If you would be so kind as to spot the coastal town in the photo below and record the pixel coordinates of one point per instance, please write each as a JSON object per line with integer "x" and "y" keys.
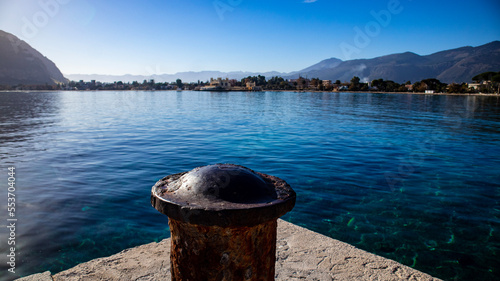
{"x": 487, "y": 83}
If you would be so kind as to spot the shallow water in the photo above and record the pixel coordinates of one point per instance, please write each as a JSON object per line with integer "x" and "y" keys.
{"x": 414, "y": 178}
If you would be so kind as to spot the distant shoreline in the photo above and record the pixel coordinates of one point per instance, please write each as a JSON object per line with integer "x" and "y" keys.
{"x": 292, "y": 91}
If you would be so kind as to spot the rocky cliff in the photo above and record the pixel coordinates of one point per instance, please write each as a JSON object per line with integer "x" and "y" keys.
{"x": 21, "y": 64}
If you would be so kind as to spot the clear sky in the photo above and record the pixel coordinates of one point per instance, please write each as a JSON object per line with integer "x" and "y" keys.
{"x": 169, "y": 36}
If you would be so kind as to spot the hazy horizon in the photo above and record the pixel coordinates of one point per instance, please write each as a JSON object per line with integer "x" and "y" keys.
{"x": 245, "y": 71}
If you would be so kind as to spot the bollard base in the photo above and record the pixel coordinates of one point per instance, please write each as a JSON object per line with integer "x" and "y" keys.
{"x": 222, "y": 253}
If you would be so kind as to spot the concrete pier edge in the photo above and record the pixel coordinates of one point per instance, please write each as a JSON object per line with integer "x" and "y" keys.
{"x": 300, "y": 254}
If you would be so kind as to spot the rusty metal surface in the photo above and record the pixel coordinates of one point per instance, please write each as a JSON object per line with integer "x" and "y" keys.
{"x": 222, "y": 195}
{"x": 223, "y": 253}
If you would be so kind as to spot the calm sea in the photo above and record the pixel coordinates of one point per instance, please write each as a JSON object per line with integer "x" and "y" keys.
{"x": 414, "y": 178}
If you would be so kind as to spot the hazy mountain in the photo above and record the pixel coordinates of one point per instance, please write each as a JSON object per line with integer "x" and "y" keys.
{"x": 21, "y": 64}
{"x": 456, "y": 65}
{"x": 190, "y": 76}
{"x": 322, "y": 65}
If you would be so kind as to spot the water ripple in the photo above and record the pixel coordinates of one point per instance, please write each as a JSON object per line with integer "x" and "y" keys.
{"x": 410, "y": 177}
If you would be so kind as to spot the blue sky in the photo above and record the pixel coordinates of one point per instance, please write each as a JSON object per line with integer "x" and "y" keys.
{"x": 169, "y": 36}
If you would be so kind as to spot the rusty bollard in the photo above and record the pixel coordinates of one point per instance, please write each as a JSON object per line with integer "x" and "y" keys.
{"x": 223, "y": 221}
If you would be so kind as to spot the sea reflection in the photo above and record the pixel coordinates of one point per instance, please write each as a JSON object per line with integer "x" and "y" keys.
{"x": 25, "y": 118}
{"x": 411, "y": 177}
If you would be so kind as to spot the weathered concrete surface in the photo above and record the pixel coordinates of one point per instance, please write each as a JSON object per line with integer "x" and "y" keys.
{"x": 301, "y": 255}
{"x": 44, "y": 276}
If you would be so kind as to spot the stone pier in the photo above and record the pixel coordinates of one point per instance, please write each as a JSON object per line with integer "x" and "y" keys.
{"x": 301, "y": 255}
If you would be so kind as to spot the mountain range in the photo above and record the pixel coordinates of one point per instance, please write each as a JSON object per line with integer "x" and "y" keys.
{"x": 456, "y": 65}
{"x": 21, "y": 64}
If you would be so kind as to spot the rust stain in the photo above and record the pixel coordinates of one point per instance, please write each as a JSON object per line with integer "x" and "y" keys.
{"x": 223, "y": 253}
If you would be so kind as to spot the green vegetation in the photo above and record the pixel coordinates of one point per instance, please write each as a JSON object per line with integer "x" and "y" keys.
{"x": 430, "y": 84}
{"x": 278, "y": 83}
{"x": 258, "y": 80}
{"x": 179, "y": 83}
{"x": 388, "y": 86}
{"x": 487, "y": 82}
{"x": 487, "y": 76}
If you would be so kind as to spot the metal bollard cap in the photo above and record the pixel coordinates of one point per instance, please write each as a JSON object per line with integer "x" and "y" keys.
{"x": 223, "y": 195}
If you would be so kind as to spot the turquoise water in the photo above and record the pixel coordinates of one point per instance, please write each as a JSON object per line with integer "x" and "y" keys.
{"x": 415, "y": 178}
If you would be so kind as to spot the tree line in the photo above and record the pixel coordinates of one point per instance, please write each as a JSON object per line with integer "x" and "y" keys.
{"x": 487, "y": 82}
